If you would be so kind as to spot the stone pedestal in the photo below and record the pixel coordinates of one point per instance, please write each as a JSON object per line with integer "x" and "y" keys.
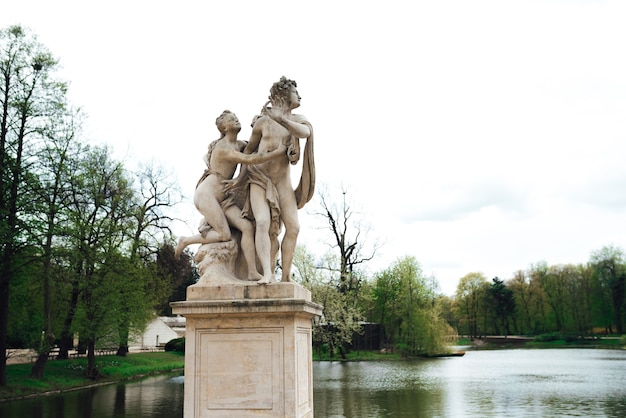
{"x": 248, "y": 350}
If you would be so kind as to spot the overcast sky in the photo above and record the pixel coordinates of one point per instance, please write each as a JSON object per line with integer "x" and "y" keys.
{"x": 473, "y": 135}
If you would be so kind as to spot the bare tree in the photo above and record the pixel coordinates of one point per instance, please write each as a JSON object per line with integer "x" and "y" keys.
{"x": 349, "y": 239}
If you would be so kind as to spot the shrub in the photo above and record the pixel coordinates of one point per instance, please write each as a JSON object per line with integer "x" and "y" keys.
{"x": 177, "y": 344}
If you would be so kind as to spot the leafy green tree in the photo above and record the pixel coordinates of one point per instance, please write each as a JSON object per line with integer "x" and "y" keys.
{"x": 154, "y": 196}
{"x": 470, "y": 301}
{"x": 520, "y": 287}
{"x": 53, "y": 167}
{"x": 409, "y": 309}
{"x": 170, "y": 277}
{"x": 341, "y": 316}
{"x": 504, "y": 304}
{"x": 100, "y": 224}
{"x": 579, "y": 298}
{"x": 610, "y": 269}
{"x": 28, "y": 94}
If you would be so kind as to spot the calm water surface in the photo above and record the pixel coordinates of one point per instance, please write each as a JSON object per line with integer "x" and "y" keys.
{"x": 502, "y": 383}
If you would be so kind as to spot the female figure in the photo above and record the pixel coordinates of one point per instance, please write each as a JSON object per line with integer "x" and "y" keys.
{"x": 210, "y": 197}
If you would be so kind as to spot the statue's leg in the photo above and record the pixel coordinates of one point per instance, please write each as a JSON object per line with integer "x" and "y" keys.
{"x": 233, "y": 214}
{"x": 289, "y": 216}
{"x": 262, "y": 217}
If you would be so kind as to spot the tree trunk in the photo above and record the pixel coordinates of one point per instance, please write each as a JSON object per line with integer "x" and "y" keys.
{"x": 122, "y": 350}
{"x": 38, "y": 370}
{"x": 4, "y": 324}
{"x": 92, "y": 370}
{"x": 67, "y": 340}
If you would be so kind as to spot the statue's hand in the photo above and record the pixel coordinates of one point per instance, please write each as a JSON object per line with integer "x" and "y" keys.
{"x": 293, "y": 154}
{"x": 229, "y": 185}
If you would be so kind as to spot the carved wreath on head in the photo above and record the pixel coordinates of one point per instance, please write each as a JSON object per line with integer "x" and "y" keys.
{"x": 280, "y": 89}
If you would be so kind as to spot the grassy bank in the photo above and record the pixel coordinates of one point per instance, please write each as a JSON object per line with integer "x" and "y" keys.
{"x": 64, "y": 375}
{"x": 358, "y": 356}
{"x": 580, "y": 343}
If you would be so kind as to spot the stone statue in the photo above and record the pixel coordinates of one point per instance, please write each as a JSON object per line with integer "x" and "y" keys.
{"x": 271, "y": 199}
{"x": 217, "y": 206}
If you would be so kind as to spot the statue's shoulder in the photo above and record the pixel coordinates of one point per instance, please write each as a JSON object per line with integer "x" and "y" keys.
{"x": 241, "y": 144}
{"x": 299, "y": 118}
{"x": 260, "y": 120}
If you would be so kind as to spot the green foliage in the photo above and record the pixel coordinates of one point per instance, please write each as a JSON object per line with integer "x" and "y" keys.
{"x": 556, "y": 336}
{"x": 340, "y": 319}
{"x": 365, "y": 355}
{"x": 553, "y": 301}
{"x": 471, "y": 306}
{"x": 609, "y": 264}
{"x": 177, "y": 344}
{"x": 68, "y": 374}
{"x": 79, "y": 230}
{"x": 407, "y": 307}
{"x": 341, "y": 310}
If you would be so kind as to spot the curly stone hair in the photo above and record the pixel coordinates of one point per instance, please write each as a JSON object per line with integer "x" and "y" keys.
{"x": 220, "y": 122}
{"x": 280, "y": 90}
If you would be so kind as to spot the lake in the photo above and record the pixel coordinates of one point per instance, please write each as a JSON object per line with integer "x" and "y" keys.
{"x": 483, "y": 383}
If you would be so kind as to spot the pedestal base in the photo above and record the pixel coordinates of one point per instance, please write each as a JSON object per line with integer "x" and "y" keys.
{"x": 248, "y": 350}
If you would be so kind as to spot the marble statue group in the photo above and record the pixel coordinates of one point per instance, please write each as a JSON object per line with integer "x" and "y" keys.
{"x": 243, "y": 217}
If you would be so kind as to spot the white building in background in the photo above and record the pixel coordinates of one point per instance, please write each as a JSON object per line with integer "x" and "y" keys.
{"x": 158, "y": 332}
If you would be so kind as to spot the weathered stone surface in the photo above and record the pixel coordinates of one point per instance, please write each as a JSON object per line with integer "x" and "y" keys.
{"x": 248, "y": 350}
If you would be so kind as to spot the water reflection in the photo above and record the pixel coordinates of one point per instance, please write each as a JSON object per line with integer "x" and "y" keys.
{"x": 512, "y": 383}
{"x": 154, "y": 397}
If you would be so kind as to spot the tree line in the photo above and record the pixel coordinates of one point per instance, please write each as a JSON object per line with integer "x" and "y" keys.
{"x": 577, "y": 300}
{"x": 560, "y": 301}
{"x": 86, "y": 248}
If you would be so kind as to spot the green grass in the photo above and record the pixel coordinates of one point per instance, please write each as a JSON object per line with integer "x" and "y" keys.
{"x": 363, "y": 355}
{"x": 590, "y": 343}
{"x": 69, "y": 374}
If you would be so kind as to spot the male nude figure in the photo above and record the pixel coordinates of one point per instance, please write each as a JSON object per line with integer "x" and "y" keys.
{"x": 271, "y": 197}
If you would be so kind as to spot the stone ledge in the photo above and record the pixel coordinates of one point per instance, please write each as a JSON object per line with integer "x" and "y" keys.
{"x": 247, "y": 291}
{"x": 246, "y": 307}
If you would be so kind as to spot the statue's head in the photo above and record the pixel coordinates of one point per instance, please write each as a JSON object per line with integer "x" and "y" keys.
{"x": 284, "y": 93}
{"x": 227, "y": 121}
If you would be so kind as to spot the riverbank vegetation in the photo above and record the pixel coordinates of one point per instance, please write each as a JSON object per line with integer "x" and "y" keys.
{"x": 63, "y": 375}
{"x": 85, "y": 247}
{"x": 582, "y": 301}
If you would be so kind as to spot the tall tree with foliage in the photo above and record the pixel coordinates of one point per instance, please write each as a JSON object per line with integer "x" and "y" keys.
{"x": 609, "y": 264}
{"x": 55, "y": 164}
{"x": 170, "y": 277}
{"x": 408, "y": 307}
{"x": 27, "y": 94}
{"x": 341, "y": 315}
{"x": 470, "y": 300}
{"x": 100, "y": 226}
{"x": 504, "y": 304}
{"x": 154, "y": 195}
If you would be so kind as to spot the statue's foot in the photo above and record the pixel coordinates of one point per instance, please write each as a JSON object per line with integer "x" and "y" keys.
{"x": 180, "y": 247}
{"x": 285, "y": 279}
{"x": 267, "y": 279}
